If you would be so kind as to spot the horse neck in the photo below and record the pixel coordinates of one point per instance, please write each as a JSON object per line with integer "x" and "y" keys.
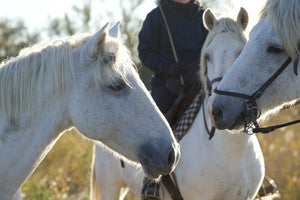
{"x": 23, "y": 146}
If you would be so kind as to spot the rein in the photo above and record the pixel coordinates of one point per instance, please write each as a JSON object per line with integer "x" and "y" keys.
{"x": 170, "y": 38}
{"x": 252, "y": 111}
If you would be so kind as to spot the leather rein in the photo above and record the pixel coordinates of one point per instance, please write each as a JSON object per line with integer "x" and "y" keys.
{"x": 252, "y": 111}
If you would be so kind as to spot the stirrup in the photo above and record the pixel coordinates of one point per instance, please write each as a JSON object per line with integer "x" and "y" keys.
{"x": 150, "y": 190}
{"x": 268, "y": 189}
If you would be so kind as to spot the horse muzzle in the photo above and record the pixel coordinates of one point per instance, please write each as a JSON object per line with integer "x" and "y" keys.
{"x": 159, "y": 161}
{"x": 226, "y": 112}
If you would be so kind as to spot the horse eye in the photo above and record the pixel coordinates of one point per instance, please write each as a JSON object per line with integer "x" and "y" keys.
{"x": 275, "y": 49}
{"x": 118, "y": 85}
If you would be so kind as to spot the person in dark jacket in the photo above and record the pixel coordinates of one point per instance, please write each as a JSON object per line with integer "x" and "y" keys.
{"x": 184, "y": 18}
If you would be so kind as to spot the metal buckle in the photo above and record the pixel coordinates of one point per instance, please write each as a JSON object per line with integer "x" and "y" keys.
{"x": 248, "y": 128}
{"x": 251, "y": 115}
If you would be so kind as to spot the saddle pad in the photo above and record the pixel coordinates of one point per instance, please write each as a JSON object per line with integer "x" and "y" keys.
{"x": 188, "y": 117}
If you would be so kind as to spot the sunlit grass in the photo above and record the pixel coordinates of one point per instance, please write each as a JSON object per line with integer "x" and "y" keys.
{"x": 281, "y": 151}
{"x": 65, "y": 172}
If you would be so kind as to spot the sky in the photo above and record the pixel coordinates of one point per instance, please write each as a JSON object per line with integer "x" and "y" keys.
{"x": 36, "y": 13}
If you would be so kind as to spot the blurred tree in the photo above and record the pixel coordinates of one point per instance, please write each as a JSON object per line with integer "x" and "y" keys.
{"x": 72, "y": 23}
{"x": 90, "y": 13}
{"x": 14, "y": 36}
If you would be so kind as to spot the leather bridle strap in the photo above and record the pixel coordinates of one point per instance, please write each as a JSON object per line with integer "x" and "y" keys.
{"x": 251, "y": 100}
{"x": 256, "y": 95}
{"x": 210, "y": 132}
{"x": 170, "y": 39}
{"x": 172, "y": 187}
{"x": 260, "y": 91}
{"x": 210, "y": 84}
{"x": 273, "y": 128}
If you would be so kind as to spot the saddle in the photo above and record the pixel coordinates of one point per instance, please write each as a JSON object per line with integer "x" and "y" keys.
{"x": 182, "y": 102}
{"x": 268, "y": 190}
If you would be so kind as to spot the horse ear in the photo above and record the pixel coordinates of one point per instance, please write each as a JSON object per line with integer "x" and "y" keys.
{"x": 209, "y": 19}
{"x": 95, "y": 44}
{"x": 114, "y": 30}
{"x": 243, "y": 18}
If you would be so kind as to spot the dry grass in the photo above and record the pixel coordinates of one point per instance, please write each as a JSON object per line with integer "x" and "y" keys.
{"x": 281, "y": 151}
{"x": 65, "y": 172}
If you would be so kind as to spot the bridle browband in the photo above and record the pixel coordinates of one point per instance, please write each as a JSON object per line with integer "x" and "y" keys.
{"x": 252, "y": 111}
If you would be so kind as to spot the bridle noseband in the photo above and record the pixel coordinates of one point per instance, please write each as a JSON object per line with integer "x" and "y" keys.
{"x": 252, "y": 111}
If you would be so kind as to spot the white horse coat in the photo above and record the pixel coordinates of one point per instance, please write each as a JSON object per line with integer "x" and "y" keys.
{"x": 86, "y": 82}
{"x": 271, "y": 42}
{"x": 227, "y": 167}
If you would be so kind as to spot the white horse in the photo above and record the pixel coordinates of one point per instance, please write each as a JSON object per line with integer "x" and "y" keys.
{"x": 226, "y": 167}
{"x": 87, "y": 82}
{"x": 272, "y": 41}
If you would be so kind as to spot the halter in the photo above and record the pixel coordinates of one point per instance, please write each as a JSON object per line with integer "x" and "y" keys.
{"x": 252, "y": 111}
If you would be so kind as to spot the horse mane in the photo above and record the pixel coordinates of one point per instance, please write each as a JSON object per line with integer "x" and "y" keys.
{"x": 223, "y": 25}
{"x": 22, "y": 77}
{"x": 284, "y": 16}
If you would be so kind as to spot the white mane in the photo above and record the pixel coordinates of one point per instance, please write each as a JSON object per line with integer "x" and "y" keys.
{"x": 285, "y": 18}
{"x": 23, "y": 76}
{"x": 222, "y": 25}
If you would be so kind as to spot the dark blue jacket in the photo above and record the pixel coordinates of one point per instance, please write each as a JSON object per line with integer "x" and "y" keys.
{"x": 188, "y": 33}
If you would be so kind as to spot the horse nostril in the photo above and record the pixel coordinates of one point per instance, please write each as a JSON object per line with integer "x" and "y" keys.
{"x": 217, "y": 112}
{"x": 171, "y": 158}
{"x": 217, "y": 116}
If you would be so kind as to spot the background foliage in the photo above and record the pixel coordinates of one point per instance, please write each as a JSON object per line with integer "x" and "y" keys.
{"x": 65, "y": 172}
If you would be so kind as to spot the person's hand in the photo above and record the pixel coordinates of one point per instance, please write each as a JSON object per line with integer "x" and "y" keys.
{"x": 174, "y": 85}
{"x": 192, "y": 74}
{"x": 176, "y": 69}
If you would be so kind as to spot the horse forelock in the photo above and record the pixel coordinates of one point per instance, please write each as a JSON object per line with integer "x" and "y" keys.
{"x": 113, "y": 64}
{"x": 284, "y": 16}
{"x": 223, "y": 25}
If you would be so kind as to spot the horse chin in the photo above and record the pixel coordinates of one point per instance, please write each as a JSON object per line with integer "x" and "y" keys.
{"x": 235, "y": 131}
{"x": 149, "y": 171}
{"x": 154, "y": 160}
{"x": 154, "y": 171}
{"x": 235, "y": 125}
{"x": 238, "y": 124}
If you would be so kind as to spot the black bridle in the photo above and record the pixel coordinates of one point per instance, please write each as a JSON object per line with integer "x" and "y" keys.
{"x": 252, "y": 111}
{"x": 209, "y": 85}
